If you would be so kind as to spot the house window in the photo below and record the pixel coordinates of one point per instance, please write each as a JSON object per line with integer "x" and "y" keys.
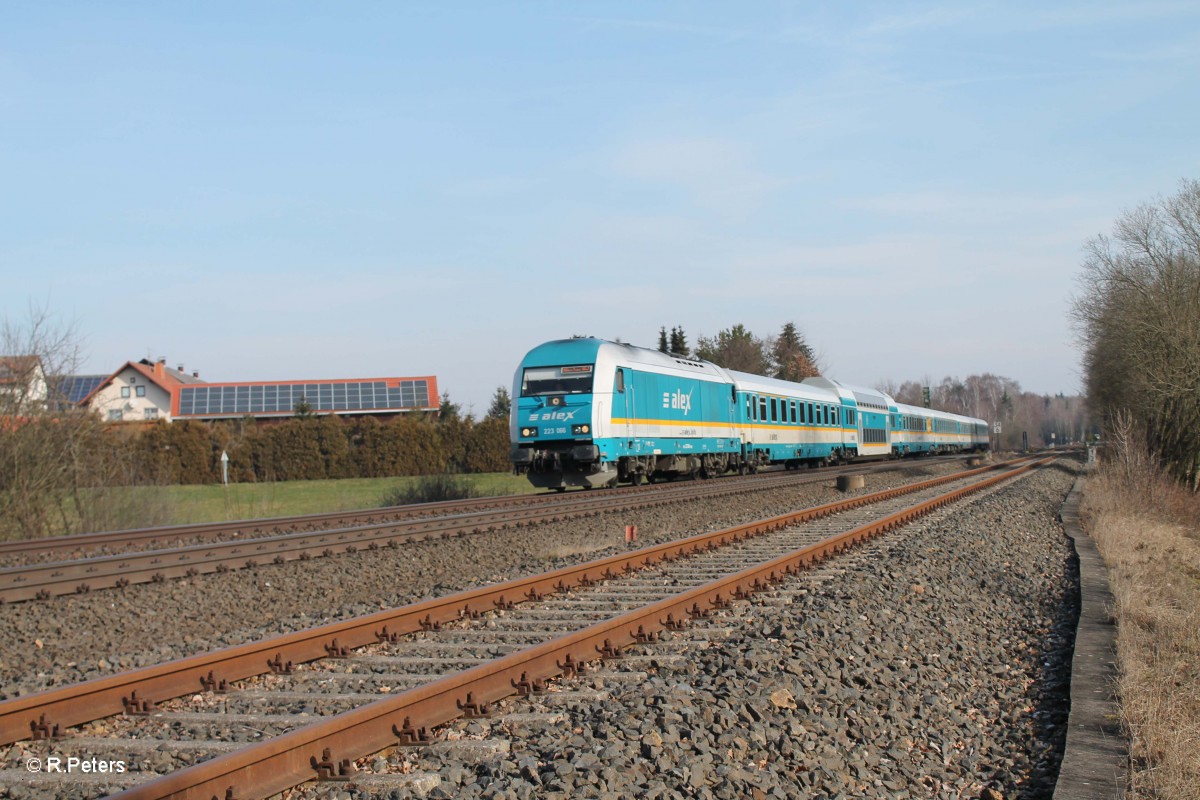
{"x": 150, "y": 413}
{"x": 141, "y": 391}
{"x": 115, "y": 415}
{"x": 125, "y": 391}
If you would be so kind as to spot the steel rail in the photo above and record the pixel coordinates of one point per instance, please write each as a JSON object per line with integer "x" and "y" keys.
{"x": 40, "y": 581}
{"x": 44, "y": 580}
{"x": 328, "y": 748}
{"x": 38, "y": 715}
{"x": 266, "y": 526}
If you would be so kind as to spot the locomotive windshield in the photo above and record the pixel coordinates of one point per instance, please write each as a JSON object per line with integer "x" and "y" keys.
{"x": 537, "y": 381}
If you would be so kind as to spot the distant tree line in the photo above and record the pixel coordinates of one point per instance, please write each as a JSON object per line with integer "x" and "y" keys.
{"x": 1138, "y": 318}
{"x": 1042, "y": 419}
{"x": 786, "y": 356}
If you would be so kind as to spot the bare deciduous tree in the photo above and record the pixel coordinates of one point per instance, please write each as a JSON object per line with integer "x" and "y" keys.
{"x": 1138, "y": 318}
{"x": 57, "y": 463}
{"x": 41, "y": 445}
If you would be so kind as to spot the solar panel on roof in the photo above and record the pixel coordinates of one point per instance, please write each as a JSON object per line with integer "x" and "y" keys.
{"x": 76, "y": 387}
{"x": 283, "y": 397}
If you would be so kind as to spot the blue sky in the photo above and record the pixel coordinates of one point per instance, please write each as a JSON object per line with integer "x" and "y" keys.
{"x": 274, "y": 190}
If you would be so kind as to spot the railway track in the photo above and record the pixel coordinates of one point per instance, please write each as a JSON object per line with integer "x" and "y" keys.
{"x": 43, "y": 580}
{"x": 111, "y": 542}
{"x": 456, "y": 664}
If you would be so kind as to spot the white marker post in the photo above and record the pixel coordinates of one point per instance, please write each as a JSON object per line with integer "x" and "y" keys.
{"x": 224, "y": 467}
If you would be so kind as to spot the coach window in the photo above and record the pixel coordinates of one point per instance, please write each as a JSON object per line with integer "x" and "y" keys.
{"x": 620, "y": 380}
{"x": 762, "y": 409}
{"x": 792, "y": 410}
{"x": 774, "y": 410}
{"x": 836, "y": 415}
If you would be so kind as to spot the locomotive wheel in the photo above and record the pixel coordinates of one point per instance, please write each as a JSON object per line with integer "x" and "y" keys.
{"x": 636, "y": 479}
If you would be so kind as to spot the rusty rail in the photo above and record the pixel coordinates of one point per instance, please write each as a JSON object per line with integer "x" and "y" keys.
{"x": 272, "y": 526}
{"x": 406, "y": 718}
{"x": 42, "y": 581}
{"x": 38, "y": 714}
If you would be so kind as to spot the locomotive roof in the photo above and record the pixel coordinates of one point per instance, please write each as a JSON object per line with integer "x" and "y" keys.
{"x": 590, "y": 350}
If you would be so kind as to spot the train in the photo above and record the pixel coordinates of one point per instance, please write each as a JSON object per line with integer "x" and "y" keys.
{"x": 592, "y": 413}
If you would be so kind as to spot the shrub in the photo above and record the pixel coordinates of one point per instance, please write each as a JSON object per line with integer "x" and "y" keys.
{"x": 430, "y": 489}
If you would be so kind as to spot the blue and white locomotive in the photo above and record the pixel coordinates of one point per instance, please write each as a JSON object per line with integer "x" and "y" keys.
{"x": 588, "y": 412}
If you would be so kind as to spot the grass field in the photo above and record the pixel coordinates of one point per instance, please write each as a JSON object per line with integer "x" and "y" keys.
{"x": 1148, "y": 530}
{"x": 179, "y": 505}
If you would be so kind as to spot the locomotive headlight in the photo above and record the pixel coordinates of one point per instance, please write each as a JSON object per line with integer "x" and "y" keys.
{"x": 580, "y": 430}
{"x": 529, "y": 433}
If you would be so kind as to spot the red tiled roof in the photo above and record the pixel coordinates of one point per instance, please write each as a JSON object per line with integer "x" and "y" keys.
{"x": 157, "y": 373}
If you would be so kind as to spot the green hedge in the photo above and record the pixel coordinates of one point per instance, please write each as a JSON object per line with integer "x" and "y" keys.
{"x": 318, "y": 447}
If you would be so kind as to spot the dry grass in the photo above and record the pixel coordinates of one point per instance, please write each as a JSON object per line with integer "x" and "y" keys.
{"x": 1148, "y": 531}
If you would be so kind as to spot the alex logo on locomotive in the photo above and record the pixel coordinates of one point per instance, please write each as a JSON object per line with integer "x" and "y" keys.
{"x": 553, "y": 416}
{"x": 678, "y": 401}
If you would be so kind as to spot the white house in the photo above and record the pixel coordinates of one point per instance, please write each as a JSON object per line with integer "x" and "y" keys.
{"x": 23, "y": 387}
{"x": 140, "y": 391}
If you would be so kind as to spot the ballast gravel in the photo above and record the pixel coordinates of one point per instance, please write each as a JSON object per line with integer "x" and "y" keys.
{"x": 932, "y": 663}
{"x": 79, "y": 637}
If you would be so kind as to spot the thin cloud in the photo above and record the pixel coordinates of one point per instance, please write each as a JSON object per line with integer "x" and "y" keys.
{"x": 660, "y": 26}
{"x": 715, "y": 173}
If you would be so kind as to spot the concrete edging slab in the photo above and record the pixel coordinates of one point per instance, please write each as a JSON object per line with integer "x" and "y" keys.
{"x": 1096, "y": 755}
